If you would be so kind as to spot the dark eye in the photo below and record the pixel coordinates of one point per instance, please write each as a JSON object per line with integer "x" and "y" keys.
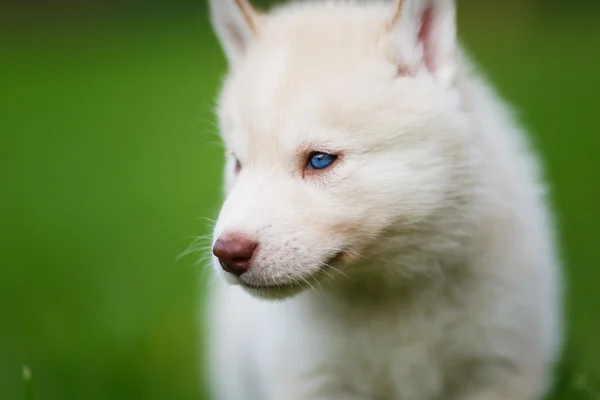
{"x": 320, "y": 160}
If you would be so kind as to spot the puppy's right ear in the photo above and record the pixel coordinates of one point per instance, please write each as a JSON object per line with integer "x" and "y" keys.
{"x": 236, "y": 24}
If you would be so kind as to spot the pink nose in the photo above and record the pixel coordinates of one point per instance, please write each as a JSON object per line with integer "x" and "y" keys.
{"x": 234, "y": 252}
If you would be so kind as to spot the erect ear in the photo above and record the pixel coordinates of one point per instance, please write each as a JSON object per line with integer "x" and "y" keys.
{"x": 236, "y": 24}
{"x": 423, "y": 37}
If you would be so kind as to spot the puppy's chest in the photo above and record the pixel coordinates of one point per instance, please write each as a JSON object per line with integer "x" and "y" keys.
{"x": 399, "y": 354}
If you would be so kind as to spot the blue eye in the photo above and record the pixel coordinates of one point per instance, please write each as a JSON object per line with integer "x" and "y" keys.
{"x": 320, "y": 160}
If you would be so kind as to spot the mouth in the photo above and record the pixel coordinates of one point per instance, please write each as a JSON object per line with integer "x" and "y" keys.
{"x": 274, "y": 292}
{"x": 292, "y": 288}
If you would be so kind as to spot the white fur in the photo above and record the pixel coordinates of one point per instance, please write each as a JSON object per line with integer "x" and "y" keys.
{"x": 446, "y": 283}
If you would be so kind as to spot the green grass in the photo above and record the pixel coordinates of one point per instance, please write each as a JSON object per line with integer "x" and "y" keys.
{"x": 108, "y": 157}
{"x": 27, "y": 383}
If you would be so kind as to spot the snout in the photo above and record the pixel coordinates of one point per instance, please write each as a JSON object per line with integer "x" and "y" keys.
{"x": 274, "y": 266}
{"x": 269, "y": 247}
{"x": 235, "y": 252}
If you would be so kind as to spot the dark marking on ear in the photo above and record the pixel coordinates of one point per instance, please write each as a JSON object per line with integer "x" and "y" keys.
{"x": 236, "y": 36}
{"x": 425, "y": 38}
{"x": 397, "y": 12}
{"x": 403, "y": 70}
{"x": 249, "y": 13}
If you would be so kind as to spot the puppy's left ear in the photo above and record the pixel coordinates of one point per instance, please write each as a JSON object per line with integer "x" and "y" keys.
{"x": 422, "y": 36}
{"x": 236, "y": 23}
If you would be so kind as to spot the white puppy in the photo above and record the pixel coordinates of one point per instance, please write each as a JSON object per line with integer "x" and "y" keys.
{"x": 385, "y": 233}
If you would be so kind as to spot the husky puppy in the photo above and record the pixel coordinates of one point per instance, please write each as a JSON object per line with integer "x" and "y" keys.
{"x": 385, "y": 233}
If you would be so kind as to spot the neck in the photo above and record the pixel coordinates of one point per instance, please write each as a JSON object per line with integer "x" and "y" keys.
{"x": 378, "y": 288}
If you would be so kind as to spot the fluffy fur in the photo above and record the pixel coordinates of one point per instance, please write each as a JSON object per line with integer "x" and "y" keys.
{"x": 421, "y": 265}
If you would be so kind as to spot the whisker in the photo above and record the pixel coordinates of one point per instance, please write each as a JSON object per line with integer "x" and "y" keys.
{"x": 212, "y": 221}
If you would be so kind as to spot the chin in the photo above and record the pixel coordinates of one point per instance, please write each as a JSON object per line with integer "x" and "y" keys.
{"x": 269, "y": 288}
{"x": 284, "y": 289}
{"x": 275, "y": 293}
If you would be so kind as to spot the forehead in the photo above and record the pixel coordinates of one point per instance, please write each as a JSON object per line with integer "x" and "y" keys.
{"x": 297, "y": 73}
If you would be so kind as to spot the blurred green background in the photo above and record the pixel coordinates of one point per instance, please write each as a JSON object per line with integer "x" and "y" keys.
{"x": 109, "y": 163}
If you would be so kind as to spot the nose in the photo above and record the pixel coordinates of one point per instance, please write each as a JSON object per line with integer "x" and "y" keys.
{"x": 234, "y": 252}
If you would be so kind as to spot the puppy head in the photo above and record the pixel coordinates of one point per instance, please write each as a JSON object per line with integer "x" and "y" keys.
{"x": 345, "y": 141}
